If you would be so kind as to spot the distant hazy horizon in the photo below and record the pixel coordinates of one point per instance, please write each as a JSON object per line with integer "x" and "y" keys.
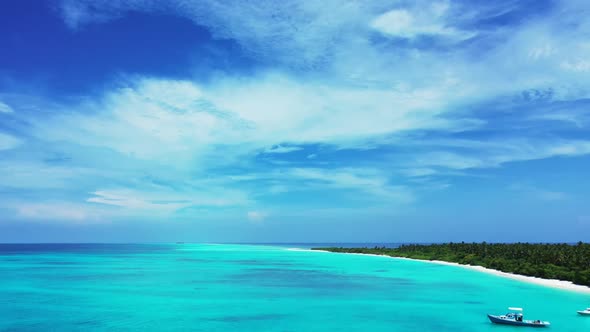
{"x": 294, "y": 121}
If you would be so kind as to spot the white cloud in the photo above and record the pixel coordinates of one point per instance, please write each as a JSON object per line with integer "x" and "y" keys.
{"x": 157, "y": 119}
{"x": 539, "y": 193}
{"x": 283, "y": 149}
{"x": 577, "y": 66}
{"x": 5, "y": 108}
{"x": 395, "y": 22}
{"x": 335, "y": 37}
{"x": 244, "y": 177}
{"x": 418, "y": 172}
{"x": 278, "y": 189}
{"x": 542, "y": 51}
{"x": 37, "y": 176}
{"x": 167, "y": 202}
{"x": 77, "y": 13}
{"x": 190, "y": 132}
{"x": 370, "y": 181}
{"x": 579, "y": 120}
{"x": 8, "y": 142}
{"x": 449, "y": 160}
{"x": 419, "y": 21}
{"x": 180, "y": 121}
{"x": 300, "y": 32}
{"x": 132, "y": 200}
{"x": 281, "y": 108}
{"x": 57, "y": 211}
{"x": 257, "y": 216}
{"x": 552, "y": 195}
{"x": 485, "y": 154}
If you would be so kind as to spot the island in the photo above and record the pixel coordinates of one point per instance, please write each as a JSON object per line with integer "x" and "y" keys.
{"x": 569, "y": 262}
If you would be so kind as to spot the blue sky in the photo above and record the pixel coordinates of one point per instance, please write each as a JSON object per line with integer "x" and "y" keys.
{"x": 294, "y": 121}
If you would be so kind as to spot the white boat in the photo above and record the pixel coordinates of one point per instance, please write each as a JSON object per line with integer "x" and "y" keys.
{"x": 515, "y": 317}
{"x": 585, "y": 312}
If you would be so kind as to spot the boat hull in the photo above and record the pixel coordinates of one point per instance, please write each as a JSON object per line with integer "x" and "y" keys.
{"x": 498, "y": 320}
{"x": 584, "y": 313}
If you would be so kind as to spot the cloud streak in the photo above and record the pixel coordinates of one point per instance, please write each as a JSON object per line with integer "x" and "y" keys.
{"x": 411, "y": 23}
{"x": 8, "y": 142}
{"x": 5, "y": 108}
{"x": 382, "y": 100}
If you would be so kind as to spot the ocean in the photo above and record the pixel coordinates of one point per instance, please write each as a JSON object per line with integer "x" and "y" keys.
{"x": 207, "y": 287}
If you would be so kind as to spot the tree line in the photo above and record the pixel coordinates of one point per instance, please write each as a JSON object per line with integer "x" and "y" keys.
{"x": 544, "y": 260}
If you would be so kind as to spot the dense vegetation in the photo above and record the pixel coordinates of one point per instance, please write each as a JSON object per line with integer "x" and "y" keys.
{"x": 550, "y": 261}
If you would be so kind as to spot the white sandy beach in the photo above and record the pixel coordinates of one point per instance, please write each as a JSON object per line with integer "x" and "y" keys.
{"x": 554, "y": 283}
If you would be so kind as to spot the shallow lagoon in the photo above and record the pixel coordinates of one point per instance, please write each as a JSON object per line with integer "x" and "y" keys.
{"x": 190, "y": 287}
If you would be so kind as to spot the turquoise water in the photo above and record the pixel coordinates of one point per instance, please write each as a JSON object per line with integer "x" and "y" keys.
{"x": 189, "y": 287}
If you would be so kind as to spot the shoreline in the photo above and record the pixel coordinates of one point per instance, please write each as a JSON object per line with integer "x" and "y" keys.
{"x": 552, "y": 283}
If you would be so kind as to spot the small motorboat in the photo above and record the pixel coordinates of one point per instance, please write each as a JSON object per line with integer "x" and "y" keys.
{"x": 515, "y": 317}
{"x": 585, "y": 312}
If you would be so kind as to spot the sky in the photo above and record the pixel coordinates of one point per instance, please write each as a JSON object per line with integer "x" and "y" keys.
{"x": 294, "y": 121}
